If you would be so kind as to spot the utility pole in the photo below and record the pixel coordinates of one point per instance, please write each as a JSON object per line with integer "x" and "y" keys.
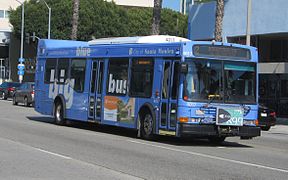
{"x": 21, "y": 60}
{"x": 248, "y": 36}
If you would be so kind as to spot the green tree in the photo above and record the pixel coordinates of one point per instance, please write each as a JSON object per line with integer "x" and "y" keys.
{"x": 173, "y": 23}
{"x": 97, "y": 19}
{"x": 139, "y": 21}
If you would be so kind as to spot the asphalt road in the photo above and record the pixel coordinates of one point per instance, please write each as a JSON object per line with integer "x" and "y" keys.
{"x": 32, "y": 147}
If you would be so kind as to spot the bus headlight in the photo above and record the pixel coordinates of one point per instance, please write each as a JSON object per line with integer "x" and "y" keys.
{"x": 250, "y": 122}
{"x": 195, "y": 120}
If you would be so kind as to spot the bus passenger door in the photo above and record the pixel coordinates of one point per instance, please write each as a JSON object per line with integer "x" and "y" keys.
{"x": 95, "y": 90}
{"x": 168, "y": 103}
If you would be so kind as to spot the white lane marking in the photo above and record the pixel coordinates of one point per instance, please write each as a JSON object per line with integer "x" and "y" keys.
{"x": 212, "y": 157}
{"x": 51, "y": 153}
{"x": 221, "y": 147}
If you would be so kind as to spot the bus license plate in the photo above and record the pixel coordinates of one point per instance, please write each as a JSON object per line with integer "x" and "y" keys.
{"x": 229, "y": 116}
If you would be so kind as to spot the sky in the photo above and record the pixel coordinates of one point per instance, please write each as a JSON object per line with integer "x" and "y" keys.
{"x": 172, "y": 4}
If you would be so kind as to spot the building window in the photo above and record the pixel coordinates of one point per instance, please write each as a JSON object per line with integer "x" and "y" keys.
{"x": 7, "y": 14}
{"x": 2, "y": 14}
{"x": 278, "y": 50}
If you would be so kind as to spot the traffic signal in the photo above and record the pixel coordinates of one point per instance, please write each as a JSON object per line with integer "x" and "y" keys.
{"x": 27, "y": 38}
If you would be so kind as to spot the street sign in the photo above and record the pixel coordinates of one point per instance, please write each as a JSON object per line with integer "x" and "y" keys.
{"x": 21, "y": 72}
{"x": 21, "y": 60}
{"x": 21, "y": 66}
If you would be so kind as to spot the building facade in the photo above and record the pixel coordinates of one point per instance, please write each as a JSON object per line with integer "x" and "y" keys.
{"x": 5, "y": 31}
{"x": 269, "y": 33}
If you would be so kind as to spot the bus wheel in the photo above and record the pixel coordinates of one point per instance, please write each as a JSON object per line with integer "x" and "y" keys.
{"x": 216, "y": 139}
{"x": 146, "y": 126}
{"x": 58, "y": 114}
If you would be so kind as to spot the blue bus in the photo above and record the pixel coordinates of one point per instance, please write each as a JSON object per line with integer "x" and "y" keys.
{"x": 163, "y": 85}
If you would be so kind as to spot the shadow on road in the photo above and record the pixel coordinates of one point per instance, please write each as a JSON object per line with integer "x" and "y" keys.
{"x": 44, "y": 119}
{"x": 125, "y": 132}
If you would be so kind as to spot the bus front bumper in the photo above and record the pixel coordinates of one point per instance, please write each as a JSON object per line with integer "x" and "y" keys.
{"x": 197, "y": 130}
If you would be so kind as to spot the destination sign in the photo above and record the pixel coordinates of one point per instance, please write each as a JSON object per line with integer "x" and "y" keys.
{"x": 222, "y": 52}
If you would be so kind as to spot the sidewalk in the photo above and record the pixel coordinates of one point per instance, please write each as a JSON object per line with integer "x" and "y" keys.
{"x": 282, "y": 121}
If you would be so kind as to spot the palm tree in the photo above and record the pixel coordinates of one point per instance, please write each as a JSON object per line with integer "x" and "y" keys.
{"x": 219, "y": 19}
{"x": 75, "y": 18}
{"x": 156, "y": 17}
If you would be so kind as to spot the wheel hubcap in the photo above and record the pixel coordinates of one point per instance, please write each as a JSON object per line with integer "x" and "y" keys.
{"x": 148, "y": 124}
{"x": 58, "y": 113}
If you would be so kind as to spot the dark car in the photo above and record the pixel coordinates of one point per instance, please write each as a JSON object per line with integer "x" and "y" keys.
{"x": 266, "y": 117}
{"x": 24, "y": 94}
{"x": 7, "y": 89}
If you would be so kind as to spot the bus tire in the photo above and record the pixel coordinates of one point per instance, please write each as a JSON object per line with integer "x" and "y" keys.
{"x": 216, "y": 139}
{"x": 146, "y": 125}
{"x": 59, "y": 114}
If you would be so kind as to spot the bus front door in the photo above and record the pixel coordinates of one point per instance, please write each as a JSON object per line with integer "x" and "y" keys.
{"x": 95, "y": 90}
{"x": 168, "y": 102}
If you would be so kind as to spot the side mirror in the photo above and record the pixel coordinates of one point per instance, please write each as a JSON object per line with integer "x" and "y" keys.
{"x": 184, "y": 68}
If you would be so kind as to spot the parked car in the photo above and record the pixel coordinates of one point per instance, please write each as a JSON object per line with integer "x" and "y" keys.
{"x": 24, "y": 94}
{"x": 7, "y": 89}
{"x": 266, "y": 117}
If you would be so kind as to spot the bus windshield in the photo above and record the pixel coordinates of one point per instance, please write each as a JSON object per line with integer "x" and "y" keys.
{"x": 220, "y": 81}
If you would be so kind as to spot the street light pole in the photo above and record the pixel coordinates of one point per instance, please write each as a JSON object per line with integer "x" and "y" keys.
{"x": 22, "y": 39}
{"x": 248, "y": 36}
{"x": 49, "y": 19}
{"x": 49, "y": 23}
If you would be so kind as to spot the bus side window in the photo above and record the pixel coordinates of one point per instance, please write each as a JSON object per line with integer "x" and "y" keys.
{"x": 165, "y": 81}
{"x": 63, "y": 65}
{"x": 50, "y": 71}
{"x": 117, "y": 76}
{"x": 142, "y": 77}
{"x": 77, "y": 77}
